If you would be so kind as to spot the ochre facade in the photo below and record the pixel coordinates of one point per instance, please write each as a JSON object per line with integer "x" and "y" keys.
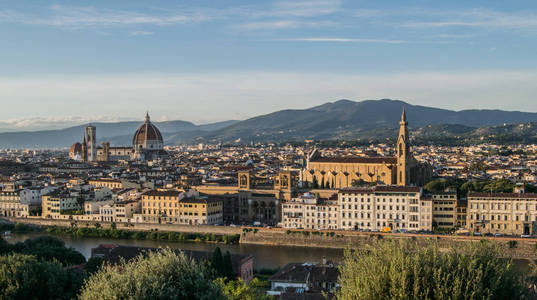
{"x": 341, "y": 172}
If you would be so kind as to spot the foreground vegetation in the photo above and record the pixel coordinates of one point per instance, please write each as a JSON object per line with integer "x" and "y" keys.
{"x": 399, "y": 270}
{"x": 43, "y": 268}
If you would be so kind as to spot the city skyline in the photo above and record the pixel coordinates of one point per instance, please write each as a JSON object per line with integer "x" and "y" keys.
{"x": 204, "y": 62}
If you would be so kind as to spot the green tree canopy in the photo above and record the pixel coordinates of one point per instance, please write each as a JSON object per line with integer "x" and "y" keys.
{"x": 26, "y": 277}
{"x": 159, "y": 275}
{"x": 240, "y": 290}
{"x": 400, "y": 270}
{"x": 47, "y": 248}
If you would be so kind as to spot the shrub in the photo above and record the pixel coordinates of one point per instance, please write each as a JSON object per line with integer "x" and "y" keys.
{"x": 161, "y": 275}
{"x": 25, "y": 277}
{"x": 512, "y": 244}
{"x": 400, "y": 270}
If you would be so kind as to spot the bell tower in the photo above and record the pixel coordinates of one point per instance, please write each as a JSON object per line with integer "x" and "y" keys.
{"x": 403, "y": 151}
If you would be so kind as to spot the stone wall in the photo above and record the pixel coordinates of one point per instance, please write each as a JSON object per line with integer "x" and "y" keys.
{"x": 524, "y": 248}
{"x": 133, "y": 226}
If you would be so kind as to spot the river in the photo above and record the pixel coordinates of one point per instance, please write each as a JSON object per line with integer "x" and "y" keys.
{"x": 264, "y": 256}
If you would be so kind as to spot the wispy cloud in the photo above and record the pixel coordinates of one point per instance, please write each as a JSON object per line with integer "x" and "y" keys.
{"x": 40, "y": 123}
{"x": 305, "y": 8}
{"x": 141, "y": 32}
{"x": 476, "y": 17}
{"x": 283, "y": 24}
{"x": 341, "y": 40}
{"x": 75, "y": 17}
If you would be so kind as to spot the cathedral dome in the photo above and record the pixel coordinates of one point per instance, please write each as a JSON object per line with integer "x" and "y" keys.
{"x": 76, "y": 149}
{"x": 147, "y": 136}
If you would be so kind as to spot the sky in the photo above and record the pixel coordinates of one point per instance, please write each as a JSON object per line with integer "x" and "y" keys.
{"x": 70, "y": 62}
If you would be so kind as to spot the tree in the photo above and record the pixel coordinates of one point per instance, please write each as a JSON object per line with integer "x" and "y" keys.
{"x": 49, "y": 248}
{"x": 93, "y": 265}
{"x": 157, "y": 275}
{"x": 25, "y": 277}
{"x": 403, "y": 270}
{"x": 240, "y": 290}
{"x": 217, "y": 262}
{"x": 228, "y": 266}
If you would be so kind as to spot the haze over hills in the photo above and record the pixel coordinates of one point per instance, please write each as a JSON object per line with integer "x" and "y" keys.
{"x": 343, "y": 119}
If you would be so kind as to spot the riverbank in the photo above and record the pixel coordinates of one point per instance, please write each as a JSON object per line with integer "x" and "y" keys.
{"x": 114, "y": 233}
{"x": 524, "y": 248}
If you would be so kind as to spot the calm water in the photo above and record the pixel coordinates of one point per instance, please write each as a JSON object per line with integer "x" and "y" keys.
{"x": 264, "y": 256}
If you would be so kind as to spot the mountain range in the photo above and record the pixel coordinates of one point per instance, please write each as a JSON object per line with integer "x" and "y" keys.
{"x": 340, "y": 120}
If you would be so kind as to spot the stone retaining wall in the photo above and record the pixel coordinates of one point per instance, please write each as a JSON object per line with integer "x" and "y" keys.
{"x": 525, "y": 248}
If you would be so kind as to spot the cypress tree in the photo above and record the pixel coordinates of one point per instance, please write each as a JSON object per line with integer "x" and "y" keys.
{"x": 228, "y": 266}
{"x": 217, "y": 261}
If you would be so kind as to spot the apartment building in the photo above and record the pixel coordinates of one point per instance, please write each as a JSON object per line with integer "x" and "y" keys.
{"x": 11, "y": 205}
{"x": 462, "y": 212}
{"x": 106, "y": 182}
{"x": 310, "y": 211}
{"x": 201, "y": 211}
{"x": 174, "y": 207}
{"x": 161, "y": 206}
{"x": 504, "y": 213}
{"x": 59, "y": 205}
{"x": 384, "y": 207}
{"x": 444, "y": 210}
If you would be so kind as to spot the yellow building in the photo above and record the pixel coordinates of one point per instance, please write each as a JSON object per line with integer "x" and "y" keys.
{"x": 175, "y": 207}
{"x": 60, "y": 205}
{"x": 444, "y": 210}
{"x": 194, "y": 211}
{"x": 161, "y": 206}
{"x": 342, "y": 172}
{"x": 503, "y": 213}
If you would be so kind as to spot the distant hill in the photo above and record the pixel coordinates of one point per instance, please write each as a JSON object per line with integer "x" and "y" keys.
{"x": 345, "y": 119}
{"x": 119, "y": 133}
{"x": 340, "y": 120}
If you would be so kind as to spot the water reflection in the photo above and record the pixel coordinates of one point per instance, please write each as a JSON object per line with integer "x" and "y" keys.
{"x": 264, "y": 256}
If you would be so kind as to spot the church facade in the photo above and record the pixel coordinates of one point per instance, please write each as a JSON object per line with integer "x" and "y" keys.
{"x": 341, "y": 172}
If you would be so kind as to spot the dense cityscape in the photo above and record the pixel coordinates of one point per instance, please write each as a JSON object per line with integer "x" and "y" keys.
{"x": 268, "y": 150}
{"x": 377, "y": 189}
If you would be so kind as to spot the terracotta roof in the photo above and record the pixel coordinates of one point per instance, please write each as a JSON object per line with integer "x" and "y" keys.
{"x": 162, "y": 193}
{"x": 388, "y": 188}
{"x": 76, "y": 148}
{"x": 147, "y": 132}
{"x": 356, "y": 160}
{"x": 502, "y": 195}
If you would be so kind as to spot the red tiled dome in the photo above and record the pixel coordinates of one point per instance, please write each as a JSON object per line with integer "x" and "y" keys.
{"x": 76, "y": 148}
{"x": 147, "y": 132}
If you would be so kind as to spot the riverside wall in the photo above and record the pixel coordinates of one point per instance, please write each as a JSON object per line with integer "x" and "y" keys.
{"x": 131, "y": 226}
{"x": 525, "y": 248}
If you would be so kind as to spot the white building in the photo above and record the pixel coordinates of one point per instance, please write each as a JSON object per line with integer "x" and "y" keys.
{"x": 309, "y": 211}
{"x": 384, "y": 208}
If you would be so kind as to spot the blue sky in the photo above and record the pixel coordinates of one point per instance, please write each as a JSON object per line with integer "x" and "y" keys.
{"x": 68, "y": 62}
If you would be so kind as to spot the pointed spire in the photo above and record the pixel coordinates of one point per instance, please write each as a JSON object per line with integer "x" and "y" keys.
{"x": 403, "y": 115}
{"x": 147, "y": 116}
